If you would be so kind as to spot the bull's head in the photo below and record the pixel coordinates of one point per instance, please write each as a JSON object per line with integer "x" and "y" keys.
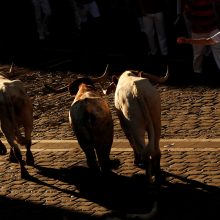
{"x": 111, "y": 88}
{"x": 75, "y": 85}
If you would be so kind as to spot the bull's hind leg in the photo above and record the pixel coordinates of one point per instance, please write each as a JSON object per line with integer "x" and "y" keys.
{"x": 137, "y": 153}
{"x": 103, "y": 154}
{"x": 91, "y": 158}
{"x": 27, "y": 118}
{"x": 156, "y": 153}
{"x": 15, "y": 152}
{"x": 29, "y": 155}
{"x": 3, "y": 149}
{"x": 17, "y": 156}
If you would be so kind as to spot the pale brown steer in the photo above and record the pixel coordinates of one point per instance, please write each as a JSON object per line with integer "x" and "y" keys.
{"x": 91, "y": 120}
{"x": 15, "y": 111}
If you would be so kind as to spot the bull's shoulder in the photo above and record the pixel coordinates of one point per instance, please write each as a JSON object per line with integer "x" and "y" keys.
{"x": 96, "y": 106}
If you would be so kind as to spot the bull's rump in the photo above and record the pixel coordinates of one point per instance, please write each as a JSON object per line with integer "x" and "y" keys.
{"x": 91, "y": 121}
{"x": 13, "y": 96}
{"x": 135, "y": 97}
{"x": 137, "y": 102}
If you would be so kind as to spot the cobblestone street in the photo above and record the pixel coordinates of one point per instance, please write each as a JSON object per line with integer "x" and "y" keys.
{"x": 62, "y": 187}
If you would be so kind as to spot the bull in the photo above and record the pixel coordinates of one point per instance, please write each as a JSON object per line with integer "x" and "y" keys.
{"x": 91, "y": 120}
{"x": 138, "y": 107}
{"x": 16, "y": 111}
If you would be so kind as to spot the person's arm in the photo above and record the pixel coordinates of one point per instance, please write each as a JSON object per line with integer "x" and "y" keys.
{"x": 198, "y": 41}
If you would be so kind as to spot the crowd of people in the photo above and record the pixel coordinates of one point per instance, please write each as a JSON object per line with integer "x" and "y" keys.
{"x": 154, "y": 20}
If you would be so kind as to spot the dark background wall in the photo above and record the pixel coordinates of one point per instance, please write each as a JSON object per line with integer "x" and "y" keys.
{"x": 114, "y": 38}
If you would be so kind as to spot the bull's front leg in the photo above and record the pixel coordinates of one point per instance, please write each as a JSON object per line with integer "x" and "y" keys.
{"x": 17, "y": 155}
{"x": 29, "y": 155}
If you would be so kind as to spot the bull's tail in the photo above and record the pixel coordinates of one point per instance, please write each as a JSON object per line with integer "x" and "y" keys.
{"x": 155, "y": 79}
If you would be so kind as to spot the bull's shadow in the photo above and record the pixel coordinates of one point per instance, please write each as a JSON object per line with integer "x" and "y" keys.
{"x": 188, "y": 199}
{"x": 12, "y": 209}
{"x": 115, "y": 192}
{"x": 184, "y": 199}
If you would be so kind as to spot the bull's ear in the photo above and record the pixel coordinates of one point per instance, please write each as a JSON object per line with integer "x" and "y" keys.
{"x": 115, "y": 79}
{"x": 73, "y": 88}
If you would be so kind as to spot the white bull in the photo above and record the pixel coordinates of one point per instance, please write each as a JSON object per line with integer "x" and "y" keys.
{"x": 16, "y": 110}
{"x": 138, "y": 106}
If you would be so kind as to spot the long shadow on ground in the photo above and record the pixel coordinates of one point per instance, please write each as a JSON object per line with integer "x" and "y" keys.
{"x": 186, "y": 199}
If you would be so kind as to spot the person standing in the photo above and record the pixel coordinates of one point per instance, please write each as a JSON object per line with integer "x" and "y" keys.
{"x": 182, "y": 10}
{"x": 86, "y": 9}
{"x": 151, "y": 18}
{"x": 42, "y": 12}
{"x": 204, "y": 22}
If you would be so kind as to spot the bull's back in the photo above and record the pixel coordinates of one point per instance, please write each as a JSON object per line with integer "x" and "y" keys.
{"x": 134, "y": 97}
{"x": 92, "y": 120}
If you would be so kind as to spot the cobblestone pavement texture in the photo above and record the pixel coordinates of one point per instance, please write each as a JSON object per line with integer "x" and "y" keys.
{"x": 62, "y": 187}
{"x": 186, "y": 111}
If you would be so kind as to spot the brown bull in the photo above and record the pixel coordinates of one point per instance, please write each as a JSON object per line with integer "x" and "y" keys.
{"x": 16, "y": 111}
{"x": 138, "y": 107}
{"x": 91, "y": 120}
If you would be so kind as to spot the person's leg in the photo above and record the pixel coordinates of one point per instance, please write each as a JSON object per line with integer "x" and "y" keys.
{"x": 46, "y": 9}
{"x": 216, "y": 53}
{"x": 38, "y": 18}
{"x": 198, "y": 53}
{"x": 216, "y": 50}
{"x": 150, "y": 33}
{"x": 93, "y": 9}
{"x": 159, "y": 26}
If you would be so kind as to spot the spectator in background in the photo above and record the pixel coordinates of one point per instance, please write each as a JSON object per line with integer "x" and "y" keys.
{"x": 76, "y": 16}
{"x": 182, "y": 11}
{"x": 86, "y": 9}
{"x": 42, "y": 11}
{"x": 151, "y": 19}
{"x": 204, "y": 22}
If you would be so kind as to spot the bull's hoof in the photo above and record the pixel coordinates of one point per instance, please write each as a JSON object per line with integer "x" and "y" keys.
{"x": 3, "y": 149}
{"x": 94, "y": 167}
{"x": 29, "y": 159}
{"x": 160, "y": 179}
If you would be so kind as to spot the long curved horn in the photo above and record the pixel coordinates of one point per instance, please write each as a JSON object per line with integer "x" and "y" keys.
{"x": 155, "y": 79}
{"x": 103, "y": 77}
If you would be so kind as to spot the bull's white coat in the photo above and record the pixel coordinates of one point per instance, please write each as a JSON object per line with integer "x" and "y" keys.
{"x": 138, "y": 107}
